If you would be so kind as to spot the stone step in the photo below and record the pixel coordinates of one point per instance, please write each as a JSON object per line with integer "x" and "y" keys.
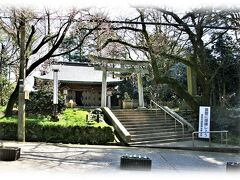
{"x": 150, "y": 127}
{"x": 155, "y": 142}
{"x": 147, "y": 122}
{"x": 140, "y": 119}
{"x": 154, "y": 125}
{"x": 139, "y": 112}
{"x": 143, "y": 117}
{"x": 137, "y": 136}
{"x": 164, "y": 136}
{"x": 142, "y": 129}
{"x": 151, "y": 130}
{"x": 136, "y": 120}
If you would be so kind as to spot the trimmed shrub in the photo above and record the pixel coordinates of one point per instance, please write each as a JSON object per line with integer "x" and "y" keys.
{"x": 57, "y": 133}
{"x": 8, "y": 130}
{"x": 41, "y": 102}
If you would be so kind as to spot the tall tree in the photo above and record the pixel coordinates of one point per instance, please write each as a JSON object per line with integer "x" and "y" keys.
{"x": 39, "y": 45}
{"x": 7, "y": 51}
{"x": 225, "y": 53}
{"x": 172, "y": 38}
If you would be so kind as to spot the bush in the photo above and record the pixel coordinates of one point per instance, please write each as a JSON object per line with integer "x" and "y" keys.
{"x": 8, "y": 129}
{"x": 72, "y": 127}
{"x": 227, "y": 119}
{"x": 37, "y": 131}
{"x": 41, "y": 102}
{"x": 6, "y": 88}
{"x": 73, "y": 117}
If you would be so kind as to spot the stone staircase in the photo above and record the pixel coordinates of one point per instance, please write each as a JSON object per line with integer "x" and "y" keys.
{"x": 149, "y": 127}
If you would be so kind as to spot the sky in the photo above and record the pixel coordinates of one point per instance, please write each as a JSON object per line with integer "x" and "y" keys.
{"x": 123, "y": 4}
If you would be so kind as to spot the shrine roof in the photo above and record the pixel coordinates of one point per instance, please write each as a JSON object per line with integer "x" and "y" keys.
{"x": 78, "y": 73}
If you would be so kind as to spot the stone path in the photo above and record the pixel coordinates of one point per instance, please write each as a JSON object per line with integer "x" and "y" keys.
{"x": 84, "y": 160}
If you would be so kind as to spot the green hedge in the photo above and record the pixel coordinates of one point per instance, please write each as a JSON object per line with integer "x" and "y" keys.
{"x": 55, "y": 133}
{"x": 41, "y": 102}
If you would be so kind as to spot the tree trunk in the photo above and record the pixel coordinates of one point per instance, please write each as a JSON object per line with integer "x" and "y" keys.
{"x": 206, "y": 94}
{"x": 189, "y": 99}
{"x": 14, "y": 95}
{"x": 174, "y": 84}
{"x": 11, "y": 102}
{"x": 179, "y": 90}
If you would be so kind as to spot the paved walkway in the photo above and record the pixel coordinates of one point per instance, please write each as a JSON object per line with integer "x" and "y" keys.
{"x": 43, "y": 159}
{"x": 198, "y": 145}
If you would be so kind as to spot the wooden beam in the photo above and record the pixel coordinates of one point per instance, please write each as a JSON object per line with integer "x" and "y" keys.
{"x": 123, "y": 70}
{"x": 117, "y": 61}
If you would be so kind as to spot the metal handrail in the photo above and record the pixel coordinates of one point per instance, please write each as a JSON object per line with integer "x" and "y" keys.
{"x": 209, "y": 132}
{"x": 180, "y": 118}
{"x": 166, "y": 112}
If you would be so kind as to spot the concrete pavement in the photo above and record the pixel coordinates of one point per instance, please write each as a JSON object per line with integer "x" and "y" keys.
{"x": 75, "y": 160}
{"x": 198, "y": 145}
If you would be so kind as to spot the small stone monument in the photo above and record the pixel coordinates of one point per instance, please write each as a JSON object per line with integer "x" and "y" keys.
{"x": 70, "y": 103}
{"x": 127, "y": 101}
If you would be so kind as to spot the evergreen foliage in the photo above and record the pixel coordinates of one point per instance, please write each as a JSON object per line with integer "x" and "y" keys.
{"x": 41, "y": 102}
{"x": 6, "y": 88}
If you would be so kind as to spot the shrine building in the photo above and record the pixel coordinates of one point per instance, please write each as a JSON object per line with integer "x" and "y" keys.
{"x": 81, "y": 84}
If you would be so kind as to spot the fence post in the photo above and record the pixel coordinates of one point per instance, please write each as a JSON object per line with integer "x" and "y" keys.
{"x": 221, "y": 137}
{"x": 209, "y": 139}
{"x": 183, "y": 131}
{"x": 193, "y": 139}
{"x": 226, "y": 138}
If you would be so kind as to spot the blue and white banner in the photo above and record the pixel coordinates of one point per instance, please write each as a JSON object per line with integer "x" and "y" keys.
{"x": 204, "y": 122}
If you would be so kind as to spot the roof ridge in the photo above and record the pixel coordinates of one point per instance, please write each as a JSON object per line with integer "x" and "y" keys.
{"x": 75, "y": 63}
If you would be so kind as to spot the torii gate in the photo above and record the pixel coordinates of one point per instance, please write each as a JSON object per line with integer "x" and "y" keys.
{"x": 126, "y": 66}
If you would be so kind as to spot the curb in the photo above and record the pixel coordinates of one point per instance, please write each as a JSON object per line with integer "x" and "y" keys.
{"x": 209, "y": 149}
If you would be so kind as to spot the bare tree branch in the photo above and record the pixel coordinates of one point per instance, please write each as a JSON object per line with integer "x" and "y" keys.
{"x": 217, "y": 37}
{"x": 79, "y": 45}
{"x": 184, "y": 25}
{"x": 45, "y": 40}
{"x": 51, "y": 51}
{"x": 30, "y": 36}
{"x": 177, "y": 59}
{"x": 123, "y": 43}
{"x": 126, "y": 28}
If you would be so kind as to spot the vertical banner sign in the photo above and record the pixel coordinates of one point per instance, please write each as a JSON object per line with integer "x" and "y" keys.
{"x": 204, "y": 122}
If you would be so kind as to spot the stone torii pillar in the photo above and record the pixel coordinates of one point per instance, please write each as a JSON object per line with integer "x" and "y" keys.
{"x": 104, "y": 87}
{"x": 191, "y": 81}
{"x": 132, "y": 69}
{"x": 140, "y": 91}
